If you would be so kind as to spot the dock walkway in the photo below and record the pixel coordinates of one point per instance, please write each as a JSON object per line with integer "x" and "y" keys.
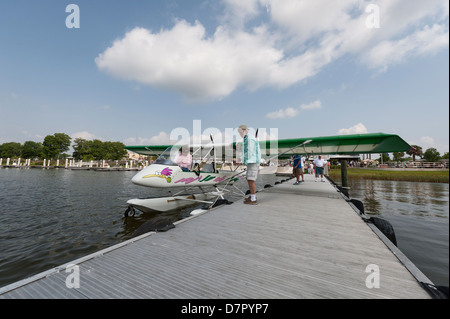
{"x": 303, "y": 241}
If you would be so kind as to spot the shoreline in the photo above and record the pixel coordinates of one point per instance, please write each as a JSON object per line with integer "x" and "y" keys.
{"x": 427, "y": 175}
{"x": 424, "y": 175}
{"x": 74, "y": 168}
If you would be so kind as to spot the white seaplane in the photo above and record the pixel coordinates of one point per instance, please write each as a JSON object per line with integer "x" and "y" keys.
{"x": 202, "y": 173}
{"x": 205, "y": 173}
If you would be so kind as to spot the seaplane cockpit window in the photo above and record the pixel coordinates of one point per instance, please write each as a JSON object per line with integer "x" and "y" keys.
{"x": 168, "y": 157}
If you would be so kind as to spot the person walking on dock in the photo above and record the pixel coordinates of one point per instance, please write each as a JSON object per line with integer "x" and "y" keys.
{"x": 298, "y": 169}
{"x": 318, "y": 166}
{"x": 310, "y": 168}
{"x": 251, "y": 156}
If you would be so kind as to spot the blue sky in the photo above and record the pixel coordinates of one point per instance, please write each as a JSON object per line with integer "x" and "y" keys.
{"x": 135, "y": 70}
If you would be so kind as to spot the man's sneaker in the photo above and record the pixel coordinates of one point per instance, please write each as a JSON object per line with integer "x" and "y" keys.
{"x": 250, "y": 202}
{"x": 323, "y": 180}
{"x": 296, "y": 183}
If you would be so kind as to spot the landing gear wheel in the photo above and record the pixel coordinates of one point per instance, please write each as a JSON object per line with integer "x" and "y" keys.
{"x": 130, "y": 211}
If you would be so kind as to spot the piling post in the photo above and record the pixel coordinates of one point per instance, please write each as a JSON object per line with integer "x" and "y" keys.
{"x": 344, "y": 173}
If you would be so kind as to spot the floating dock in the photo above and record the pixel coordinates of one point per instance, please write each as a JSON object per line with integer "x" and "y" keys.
{"x": 300, "y": 241}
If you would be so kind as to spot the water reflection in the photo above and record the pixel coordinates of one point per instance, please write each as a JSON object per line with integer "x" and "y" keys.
{"x": 371, "y": 204}
{"x": 410, "y": 198}
{"x": 419, "y": 213}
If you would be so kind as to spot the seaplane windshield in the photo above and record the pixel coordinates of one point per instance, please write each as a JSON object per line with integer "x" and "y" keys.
{"x": 168, "y": 157}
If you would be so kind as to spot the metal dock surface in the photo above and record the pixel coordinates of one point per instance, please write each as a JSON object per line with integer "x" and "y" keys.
{"x": 302, "y": 241}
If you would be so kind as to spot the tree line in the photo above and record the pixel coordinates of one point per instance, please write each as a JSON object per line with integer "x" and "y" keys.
{"x": 54, "y": 147}
{"x": 430, "y": 155}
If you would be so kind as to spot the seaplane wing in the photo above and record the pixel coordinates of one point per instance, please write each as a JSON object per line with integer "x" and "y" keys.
{"x": 322, "y": 145}
{"x": 340, "y": 144}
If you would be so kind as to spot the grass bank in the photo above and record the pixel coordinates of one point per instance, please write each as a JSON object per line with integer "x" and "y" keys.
{"x": 393, "y": 175}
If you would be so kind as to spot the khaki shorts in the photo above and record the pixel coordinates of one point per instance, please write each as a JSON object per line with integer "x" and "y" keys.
{"x": 297, "y": 171}
{"x": 252, "y": 171}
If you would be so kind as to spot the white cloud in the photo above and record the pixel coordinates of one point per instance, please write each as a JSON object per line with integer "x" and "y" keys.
{"x": 356, "y": 129}
{"x": 84, "y": 135}
{"x": 427, "y": 141}
{"x": 183, "y": 135}
{"x": 297, "y": 40}
{"x": 238, "y": 11}
{"x": 293, "y": 112}
{"x": 185, "y": 60}
{"x": 289, "y": 112}
{"x": 161, "y": 139}
{"x": 425, "y": 41}
{"x": 312, "y": 106}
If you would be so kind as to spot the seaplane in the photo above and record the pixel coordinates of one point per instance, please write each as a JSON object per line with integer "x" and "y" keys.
{"x": 213, "y": 178}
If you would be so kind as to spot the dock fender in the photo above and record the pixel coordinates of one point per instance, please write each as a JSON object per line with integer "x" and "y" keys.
{"x": 437, "y": 292}
{"x": 343, "y": 191}
{"x": 385, "y": 227}
{"x": 149, "y": 226}
{"x": 358, "y": 204}
{"x": 222, "y": 202}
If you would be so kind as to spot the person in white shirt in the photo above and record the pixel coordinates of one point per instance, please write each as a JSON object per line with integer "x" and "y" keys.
{"x": 318, "y": 166}
{"x": 311, "y": 168}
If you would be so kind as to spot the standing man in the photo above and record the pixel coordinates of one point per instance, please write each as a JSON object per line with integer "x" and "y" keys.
{"x": 318, "y": 165}
{"x": 251, "y": 156}
{"x": 298, "y": 169}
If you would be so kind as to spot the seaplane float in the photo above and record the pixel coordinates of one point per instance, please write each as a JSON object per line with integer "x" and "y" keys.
{"x": 213, "y": 180}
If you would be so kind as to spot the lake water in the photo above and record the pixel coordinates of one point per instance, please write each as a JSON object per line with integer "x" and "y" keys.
{"x": 50, "y": 217}
{"x": 419, "y": 214}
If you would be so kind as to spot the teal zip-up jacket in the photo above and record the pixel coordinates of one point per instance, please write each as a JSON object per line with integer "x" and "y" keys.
{"x": 251, "y": 152}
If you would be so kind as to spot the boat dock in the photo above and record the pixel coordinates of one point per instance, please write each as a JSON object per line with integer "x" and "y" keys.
{"x": 304, "y": 241}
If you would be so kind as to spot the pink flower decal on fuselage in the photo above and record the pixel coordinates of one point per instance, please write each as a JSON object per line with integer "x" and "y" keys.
{"x": 166, "y": 172}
